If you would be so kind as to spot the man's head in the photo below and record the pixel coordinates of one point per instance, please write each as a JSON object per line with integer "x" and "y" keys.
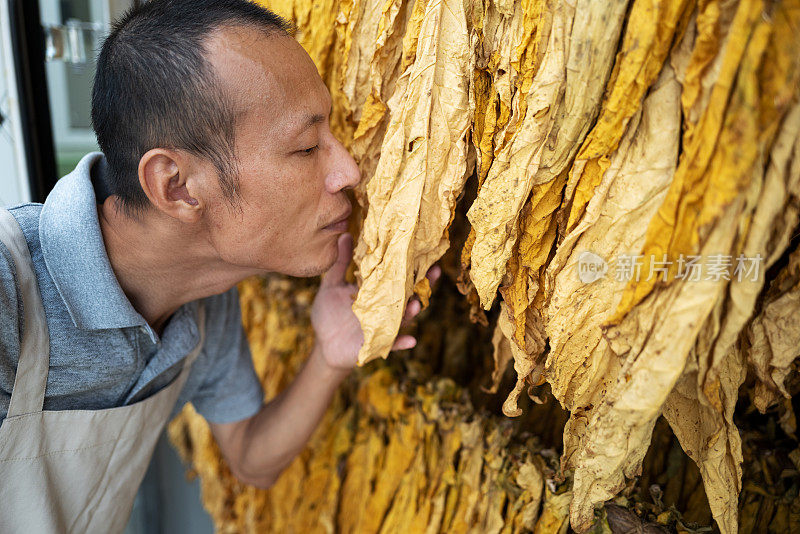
{"x": 210, "y": 113}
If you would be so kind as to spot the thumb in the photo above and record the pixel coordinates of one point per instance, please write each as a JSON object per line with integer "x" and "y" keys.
{"x": 335, "y": 275}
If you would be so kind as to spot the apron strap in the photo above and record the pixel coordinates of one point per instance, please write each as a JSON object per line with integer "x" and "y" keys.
{"x": 34, "y": 354}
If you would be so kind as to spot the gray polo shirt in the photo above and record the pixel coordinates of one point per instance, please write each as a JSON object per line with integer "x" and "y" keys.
{"x": 103, "y": 353}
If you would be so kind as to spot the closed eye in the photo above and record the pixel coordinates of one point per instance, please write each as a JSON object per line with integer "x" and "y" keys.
{"x": 309, "y": 151}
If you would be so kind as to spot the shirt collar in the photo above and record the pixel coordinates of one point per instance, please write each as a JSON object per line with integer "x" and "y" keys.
{"x": 75, "y": 255}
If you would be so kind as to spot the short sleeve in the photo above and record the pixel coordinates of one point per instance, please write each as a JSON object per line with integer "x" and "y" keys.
{"x": 230, "y": 390}
{"x": 10, "y": 327}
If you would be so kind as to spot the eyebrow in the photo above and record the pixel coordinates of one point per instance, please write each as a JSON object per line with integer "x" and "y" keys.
{"x": 309, "y": 122}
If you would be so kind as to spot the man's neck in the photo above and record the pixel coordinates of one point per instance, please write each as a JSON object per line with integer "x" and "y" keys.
{"x": 160, "y": 264}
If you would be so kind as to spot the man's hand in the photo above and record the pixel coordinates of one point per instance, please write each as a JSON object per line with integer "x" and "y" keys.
{"x": 339, "y": 335}
{"x": 259, "y": 448}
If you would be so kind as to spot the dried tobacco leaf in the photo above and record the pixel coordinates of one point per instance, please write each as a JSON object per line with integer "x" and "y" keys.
{"x": 529, "y": 371}
{"x": 495, "y": 212}
{"x": 490, "y": 106}
{"x": 774, "y": 335}
{"x": 580, "y": 366}
{"x": 529, "y": 79}
{"x": 590, "y": 58}
{"x": 651, "y": 29}
{"x": 657, "y": 334}
{"x": 381, "y": 58}
{"x": 676, "y": 229}
{"x": 701, "y": 407}
{"x": 592, "y": 46}
{"x": 418, "y": 179}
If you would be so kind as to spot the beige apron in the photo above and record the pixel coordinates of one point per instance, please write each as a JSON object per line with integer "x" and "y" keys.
{"x": 71, "y": 470}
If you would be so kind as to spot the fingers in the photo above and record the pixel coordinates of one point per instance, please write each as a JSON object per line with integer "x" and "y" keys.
{"x": 412, "y": 309}
{"x": 335, "y": 275}
{"x": 433, "y": 274}
{"x": 404, "y": 343}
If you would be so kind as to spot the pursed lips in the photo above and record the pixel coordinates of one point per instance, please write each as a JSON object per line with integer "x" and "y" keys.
{"x": 342, "y": 219}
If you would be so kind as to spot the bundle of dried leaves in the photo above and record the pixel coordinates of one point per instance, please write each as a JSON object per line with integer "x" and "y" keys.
{"x": 629, "y": 172}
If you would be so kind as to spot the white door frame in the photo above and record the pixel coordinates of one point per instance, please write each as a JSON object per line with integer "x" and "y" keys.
{"x": 19, "y": 166}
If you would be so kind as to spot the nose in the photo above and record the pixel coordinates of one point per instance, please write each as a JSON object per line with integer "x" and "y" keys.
{"x": 343, "y": 172}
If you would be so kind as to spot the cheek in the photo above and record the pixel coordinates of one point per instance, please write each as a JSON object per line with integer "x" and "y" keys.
{"x": 281, "y": 207}
{"x": 300, "y": 208}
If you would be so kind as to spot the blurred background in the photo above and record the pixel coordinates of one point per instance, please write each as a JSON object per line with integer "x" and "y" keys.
{"x": 47, "y": 61}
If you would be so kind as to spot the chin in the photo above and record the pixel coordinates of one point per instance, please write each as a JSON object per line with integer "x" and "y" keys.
{"x": 318, "y": 265}
{"x": 329, "y": 257}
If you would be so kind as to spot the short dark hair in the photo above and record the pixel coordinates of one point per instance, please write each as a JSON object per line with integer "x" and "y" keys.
{"x": 153, "y": 87}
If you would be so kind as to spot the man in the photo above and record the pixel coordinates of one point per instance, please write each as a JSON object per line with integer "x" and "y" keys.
{"x": 118, "y": 294}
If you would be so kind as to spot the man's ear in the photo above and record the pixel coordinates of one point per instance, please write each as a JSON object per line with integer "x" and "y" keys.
{"x": 166, "y": 178}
